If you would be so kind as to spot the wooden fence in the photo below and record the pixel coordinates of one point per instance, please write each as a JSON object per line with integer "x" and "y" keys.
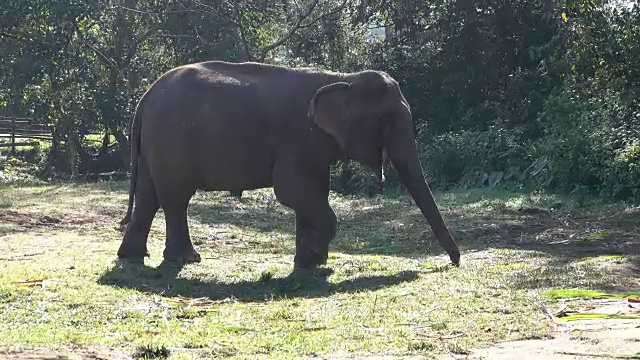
{"x": 20, "y": 130}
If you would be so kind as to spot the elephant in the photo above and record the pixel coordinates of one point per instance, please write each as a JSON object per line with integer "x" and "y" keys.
{"x": 224, "y": 126}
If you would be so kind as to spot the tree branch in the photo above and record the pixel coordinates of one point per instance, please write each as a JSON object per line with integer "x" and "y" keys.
{"x": 212, "y": 10}
{"x": 241, "y": 31}
{"x": 215, "y": 12}
{"x": 291, "y": 31}
{"x": 11, "y": 36}
{"x": 105, "y": 59}
{"x": 325, "y": 15}
{"x": 132, "y": 51}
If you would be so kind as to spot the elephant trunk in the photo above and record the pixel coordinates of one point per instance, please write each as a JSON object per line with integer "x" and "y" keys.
{"x": 403, "y": 153}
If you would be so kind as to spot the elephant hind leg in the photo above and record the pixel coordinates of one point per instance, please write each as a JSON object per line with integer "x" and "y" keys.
{"x": 174, "y": 199}
{"x": 178, "y": 246}
{"x": 134, "y": 243}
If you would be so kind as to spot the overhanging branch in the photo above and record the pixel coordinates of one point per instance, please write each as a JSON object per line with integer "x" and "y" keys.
{"x": 325, "y": 15}
{"x": 104, "y": 58}
{"x": 291, "y": 31}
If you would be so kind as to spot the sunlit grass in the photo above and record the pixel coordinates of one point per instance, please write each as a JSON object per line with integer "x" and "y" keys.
{"x": 391, "y": 291}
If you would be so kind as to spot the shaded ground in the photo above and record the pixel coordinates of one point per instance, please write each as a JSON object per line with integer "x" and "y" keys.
{"x": 386, "y": 291}
{"x": 29, "y": 221}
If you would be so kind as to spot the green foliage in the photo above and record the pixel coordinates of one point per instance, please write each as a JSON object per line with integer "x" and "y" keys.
{"x": 592, "y": 123}
{"x": 16, "y": 171}
{"x": 538, "y": 93}
{"x": 354, "y": 178}
{"x": 474, "y": 158}
{"x": 594, "y": 144}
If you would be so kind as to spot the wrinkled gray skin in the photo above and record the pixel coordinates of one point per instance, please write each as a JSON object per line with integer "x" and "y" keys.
{"x": 219, "y": 126}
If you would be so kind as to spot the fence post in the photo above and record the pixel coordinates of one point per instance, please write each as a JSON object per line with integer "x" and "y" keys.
{"x": 13, "y": 136}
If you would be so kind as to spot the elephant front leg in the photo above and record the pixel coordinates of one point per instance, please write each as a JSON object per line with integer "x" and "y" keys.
{"x": 306, "y": 191}
{"x": 312, "y": 244}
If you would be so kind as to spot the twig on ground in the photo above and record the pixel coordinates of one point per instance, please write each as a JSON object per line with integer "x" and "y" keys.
{"x": 21, "y": 256}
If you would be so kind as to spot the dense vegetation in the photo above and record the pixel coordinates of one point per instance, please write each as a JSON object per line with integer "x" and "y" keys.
{"x": 538, "y": 93}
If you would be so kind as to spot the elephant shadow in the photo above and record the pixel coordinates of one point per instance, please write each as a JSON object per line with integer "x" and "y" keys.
{"x": 163, "y": 280}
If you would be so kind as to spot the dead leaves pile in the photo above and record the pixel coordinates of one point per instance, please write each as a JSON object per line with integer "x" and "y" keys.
{"x": 593, "y": 305}
{"x": 601, "y": 309}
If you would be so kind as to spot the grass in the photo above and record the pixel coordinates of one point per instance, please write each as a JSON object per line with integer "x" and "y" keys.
{"x": 386, "y": 290}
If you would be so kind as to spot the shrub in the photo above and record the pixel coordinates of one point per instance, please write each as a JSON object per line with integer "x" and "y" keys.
{"x": 17, "y": 171}
{"x": 475, "y": 158}
{"x": 593, "y": 142}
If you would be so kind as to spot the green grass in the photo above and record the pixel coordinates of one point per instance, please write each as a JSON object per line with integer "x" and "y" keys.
{"x": 582, "y": 293}
{"x": 389, "y": 291}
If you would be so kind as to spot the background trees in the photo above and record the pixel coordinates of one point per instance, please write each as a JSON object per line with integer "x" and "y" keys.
{"x": 530, "y": 92}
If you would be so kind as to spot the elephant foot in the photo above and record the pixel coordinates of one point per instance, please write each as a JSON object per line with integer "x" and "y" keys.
{"x": 316, "y": 272}
{"x": 182, "y": 256}
{"x": 309, "y": 260}
{"x": 132, "y": 253}
{"x": 455, "y": 259}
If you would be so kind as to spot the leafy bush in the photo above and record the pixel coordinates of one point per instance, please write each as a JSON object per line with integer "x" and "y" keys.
{"x": 18, "y": 171}
{"x": 593, "y": 142}
{"x": 33, "y": 160}
{"x": 354, "y": 178}
{"x": 475, "y": 158}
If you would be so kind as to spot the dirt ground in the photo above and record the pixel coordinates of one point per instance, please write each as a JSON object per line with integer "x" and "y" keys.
{"x": 28, "y": 221}
{"x": 576, "y": 340}
{"x": 608, "y": 339}
{"x": 68, "y": 354}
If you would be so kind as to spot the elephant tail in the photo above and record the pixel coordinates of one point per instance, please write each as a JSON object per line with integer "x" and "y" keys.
{"x": 136, "y": 126}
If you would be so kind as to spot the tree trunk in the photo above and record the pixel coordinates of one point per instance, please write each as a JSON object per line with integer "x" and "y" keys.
{"x": 104, "y": 147}
{"x": 123, "y": 146}
{"x": 72, "y": 144}
{"x": 52, "y": 155}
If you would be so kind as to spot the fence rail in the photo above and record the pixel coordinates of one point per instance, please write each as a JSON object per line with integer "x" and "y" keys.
{"x": 22, "y": 128}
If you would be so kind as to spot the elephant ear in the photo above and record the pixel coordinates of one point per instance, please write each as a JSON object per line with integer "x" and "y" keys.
{"x": 329, "y": 111}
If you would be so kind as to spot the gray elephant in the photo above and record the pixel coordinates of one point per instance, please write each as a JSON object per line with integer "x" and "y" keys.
{"x": 222, "y": 126}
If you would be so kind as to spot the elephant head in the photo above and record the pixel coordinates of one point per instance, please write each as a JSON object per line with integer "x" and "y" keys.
{"x": 358, "y": 114}
{"x": 370, "y": 119}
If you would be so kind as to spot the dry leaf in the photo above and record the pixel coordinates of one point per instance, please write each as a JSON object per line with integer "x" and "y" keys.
{"x": 561, "y": 311}
{"x": 30, "y": 282}
{"x": 440, "y": 336}
{"x": 315, "y": 328}
{"x": 202, "y": 302}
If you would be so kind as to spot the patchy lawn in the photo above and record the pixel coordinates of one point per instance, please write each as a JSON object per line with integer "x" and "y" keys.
{"x": 387, "y": 290}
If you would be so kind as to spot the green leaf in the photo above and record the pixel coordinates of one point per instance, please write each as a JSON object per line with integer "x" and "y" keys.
{"x": 594, "y": 316}
{"x": 582, "y": 293}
